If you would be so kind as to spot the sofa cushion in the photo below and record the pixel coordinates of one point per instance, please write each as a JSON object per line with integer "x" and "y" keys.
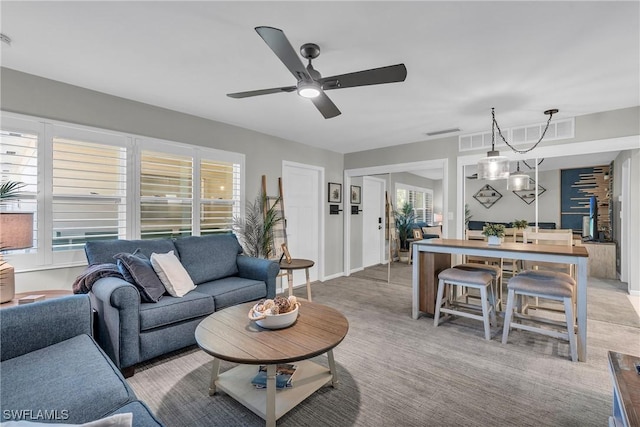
{"x": 172, "y": 274}
{"x": 233, "y": 290}
{"x": 171, "y": 310}
{"x": 102, "y": 251}
{"x": 137, "y": 270}
{"x": 142, "y": 416}
{"x": 67, "y": 376}
{"x": 210, "y": 257}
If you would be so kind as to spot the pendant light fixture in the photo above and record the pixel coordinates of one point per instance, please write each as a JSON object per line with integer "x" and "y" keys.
{"x": 495, "y": 166}
{"x": 519, "y": 180}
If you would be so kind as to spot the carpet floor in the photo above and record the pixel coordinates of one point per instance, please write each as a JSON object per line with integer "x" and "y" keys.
{"x": 394, "y": 370}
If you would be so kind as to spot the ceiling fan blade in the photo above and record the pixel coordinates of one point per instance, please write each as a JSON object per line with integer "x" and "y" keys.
{"x": 375, "y": 76}
{"x": 280, "y": 45}
{"x": 326, "y": 106}
{"x": 261, "y": 92}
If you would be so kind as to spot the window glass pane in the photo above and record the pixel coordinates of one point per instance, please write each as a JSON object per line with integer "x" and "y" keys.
{"x": 19, "y": 163}
{"x": 89, "y": 189}
{"x": 220, "y": 195}
{"x": 166, "y": 189}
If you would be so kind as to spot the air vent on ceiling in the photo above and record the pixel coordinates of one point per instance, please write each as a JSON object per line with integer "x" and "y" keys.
{"x": 558, "y": 129}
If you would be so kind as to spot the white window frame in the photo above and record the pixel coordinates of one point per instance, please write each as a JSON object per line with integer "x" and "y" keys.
{"x": 44, "y": 257}
{"x": 407, "y": 187}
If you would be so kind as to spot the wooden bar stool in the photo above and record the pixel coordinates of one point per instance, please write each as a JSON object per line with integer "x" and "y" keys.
{"x": 543, "y": 287}
{"x": 470, "y": 279}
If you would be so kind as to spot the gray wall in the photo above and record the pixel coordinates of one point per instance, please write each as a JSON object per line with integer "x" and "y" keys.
{"x": 510, "y": 207}
{"x": 36, "y": 96}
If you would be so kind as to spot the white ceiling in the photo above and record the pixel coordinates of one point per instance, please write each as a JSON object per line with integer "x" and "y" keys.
{"x": 462, "y": 58}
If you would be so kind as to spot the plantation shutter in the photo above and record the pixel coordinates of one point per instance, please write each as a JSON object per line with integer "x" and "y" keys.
{"x": 166, "y": 195}
{"x": 19, "y": 163}
{"x": 219, "y": 195}
{"x": 89, "y": 192}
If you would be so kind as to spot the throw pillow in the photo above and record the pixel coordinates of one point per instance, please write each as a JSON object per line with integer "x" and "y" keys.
{"x": 437, "y": 230}
{"x": 137, "y": 270}
{"x": 117, "y": 420}
{"x": 172, "y": 274}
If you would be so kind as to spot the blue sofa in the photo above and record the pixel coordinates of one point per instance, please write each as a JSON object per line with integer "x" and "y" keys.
{"x": 51, "y": 369}
{"x": 131, "y": 331}
{"x": 478, "y": 225}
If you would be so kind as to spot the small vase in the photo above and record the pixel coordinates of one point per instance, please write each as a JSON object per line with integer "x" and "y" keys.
{"x": 494, "y": 240}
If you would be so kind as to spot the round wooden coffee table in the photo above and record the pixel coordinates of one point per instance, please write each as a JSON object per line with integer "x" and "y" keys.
{"x": 297, "y": 264}
{"x": 230, "y": 335}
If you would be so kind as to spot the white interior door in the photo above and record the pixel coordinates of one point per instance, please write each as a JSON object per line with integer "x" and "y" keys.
{"x": 301, "y": 188}
{"x": 372, "y": 221}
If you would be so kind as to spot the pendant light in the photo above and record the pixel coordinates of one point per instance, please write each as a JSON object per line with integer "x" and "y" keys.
{"x": 495, "y": 166}
{"x": 519, "y": 180}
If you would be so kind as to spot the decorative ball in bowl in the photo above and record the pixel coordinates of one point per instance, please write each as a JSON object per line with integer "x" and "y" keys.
{"x": 276, "y": 313}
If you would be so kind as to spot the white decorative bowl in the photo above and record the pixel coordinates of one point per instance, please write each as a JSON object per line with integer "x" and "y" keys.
{"x": 273, "y": 321}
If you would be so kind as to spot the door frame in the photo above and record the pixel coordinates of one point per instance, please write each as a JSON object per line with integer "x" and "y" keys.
{"x": 383, "y": 258}
{"x": 321, "y": 214}
{"x": 391, "y": 168}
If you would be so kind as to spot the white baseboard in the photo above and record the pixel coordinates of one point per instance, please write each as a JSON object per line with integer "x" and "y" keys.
{"x": 333, "y": 276}
{"x": 355, "y": 270}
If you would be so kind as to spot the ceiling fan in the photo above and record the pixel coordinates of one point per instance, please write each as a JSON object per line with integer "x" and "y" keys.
{"x": 310, "y": 84}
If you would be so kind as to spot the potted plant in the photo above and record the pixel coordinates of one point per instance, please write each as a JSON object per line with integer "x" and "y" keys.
{"x": 255, "y": 230}
{"x": 494, "y": 233}
{"x": 520, "y": 224}
{"x": 405, "y": 217}
{"x": 467, "y": 215}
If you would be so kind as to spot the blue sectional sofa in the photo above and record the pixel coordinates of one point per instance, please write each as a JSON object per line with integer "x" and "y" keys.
{"x": 131, "y": 331}
{"x": 51, "y": 369}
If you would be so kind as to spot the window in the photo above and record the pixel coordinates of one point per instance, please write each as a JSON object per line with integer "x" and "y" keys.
{"x": 220, "y": 194}
{"x": 89, "y": 193}
{"x": 86, "y": 184}
{"x": 421, "y": 199}
{"x": 166, "y": 195}
{"x": 19, "y": 162}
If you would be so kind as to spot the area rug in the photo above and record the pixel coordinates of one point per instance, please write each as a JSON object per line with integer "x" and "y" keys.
{"x": 394, "y": 370}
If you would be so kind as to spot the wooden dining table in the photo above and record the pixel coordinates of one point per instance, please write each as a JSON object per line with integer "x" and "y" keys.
{"x": 432, "y": 256}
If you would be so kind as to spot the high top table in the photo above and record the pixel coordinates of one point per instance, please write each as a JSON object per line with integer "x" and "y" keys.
{"x": 229, "y": 335}
{"x": 432, "y": 256}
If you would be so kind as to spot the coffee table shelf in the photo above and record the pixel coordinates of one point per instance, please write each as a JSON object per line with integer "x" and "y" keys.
{"x": 236, "y": 382}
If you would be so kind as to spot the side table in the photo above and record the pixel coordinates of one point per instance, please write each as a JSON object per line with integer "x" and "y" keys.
{"x": 297, "y": 264}
{"x": 49, "y": 294}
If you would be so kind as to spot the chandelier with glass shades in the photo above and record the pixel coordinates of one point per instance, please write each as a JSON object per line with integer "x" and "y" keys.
{"x": 495, "y": 166}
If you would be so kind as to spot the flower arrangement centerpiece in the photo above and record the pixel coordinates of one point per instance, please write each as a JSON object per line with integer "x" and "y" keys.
{"x": 494, "y": 232}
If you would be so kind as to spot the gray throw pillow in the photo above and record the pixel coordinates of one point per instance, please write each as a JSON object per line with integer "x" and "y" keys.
{"x": 137, "y": 270}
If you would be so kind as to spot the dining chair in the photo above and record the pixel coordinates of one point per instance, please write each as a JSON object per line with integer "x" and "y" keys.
{"x": 490, "y": 265}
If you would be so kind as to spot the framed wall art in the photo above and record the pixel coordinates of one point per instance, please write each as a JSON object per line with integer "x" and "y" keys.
{"x": 335, "y": 192}
{"x": 528, "y": 196}
{"x": 356, "y": 194}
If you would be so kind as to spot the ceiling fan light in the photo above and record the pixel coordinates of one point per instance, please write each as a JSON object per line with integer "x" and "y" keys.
{"x": 494, "y": 166}
{"x": 308, "y": 89}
